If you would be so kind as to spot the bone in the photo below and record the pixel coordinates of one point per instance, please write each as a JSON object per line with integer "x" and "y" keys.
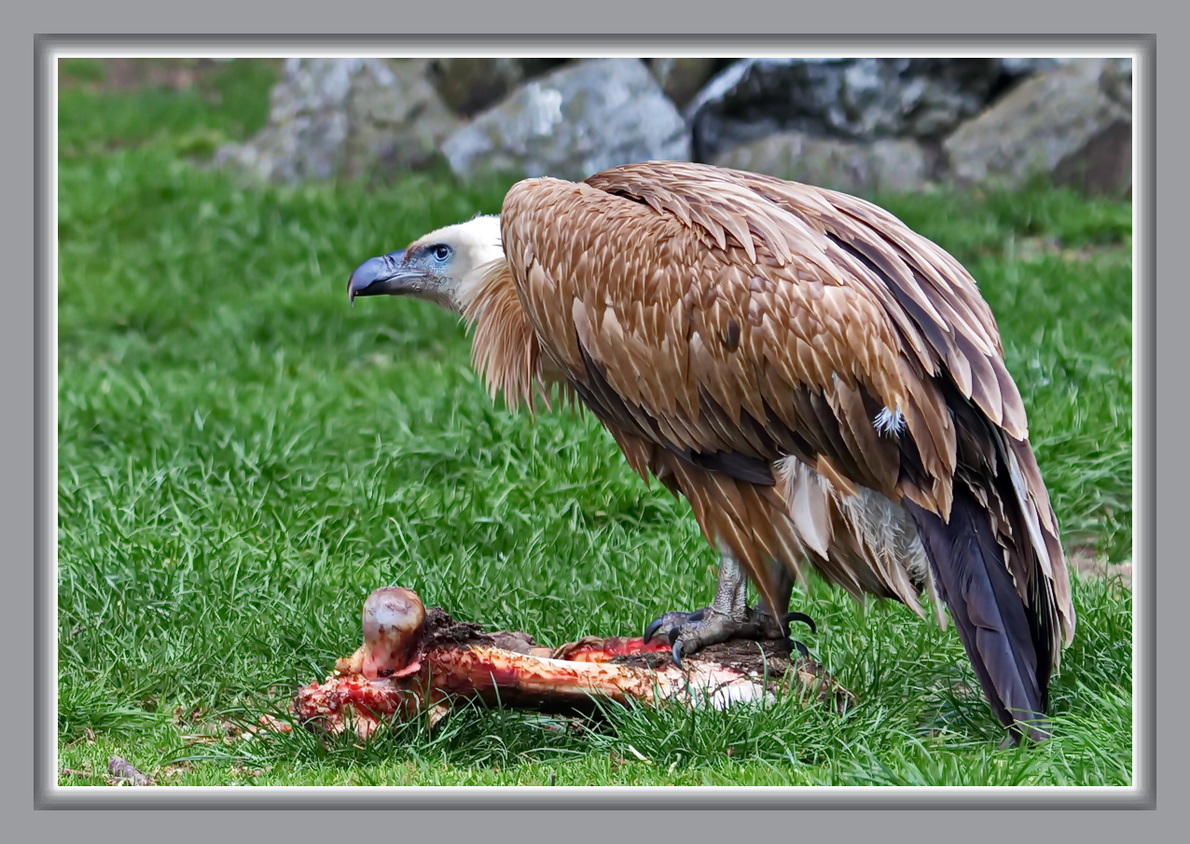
{"x": 413, "y": 661}
{"x": 393, "y": 621}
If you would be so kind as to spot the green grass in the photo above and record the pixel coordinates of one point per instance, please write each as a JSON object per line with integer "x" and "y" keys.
{"x": 243, "y": 457}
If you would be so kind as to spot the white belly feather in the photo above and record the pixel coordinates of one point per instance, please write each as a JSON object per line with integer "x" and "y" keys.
{"x": 865, "y": 542}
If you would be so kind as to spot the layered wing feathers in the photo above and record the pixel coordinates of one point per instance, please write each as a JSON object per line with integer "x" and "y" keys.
{"x": 755, "y": 347}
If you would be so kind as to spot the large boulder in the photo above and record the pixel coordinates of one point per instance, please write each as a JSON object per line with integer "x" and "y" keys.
{"x": 859, "y": 167}
{"x": 1071, "y": 124}
{"x": 574, "y": 121}
{"x": 857, "y": 99}
{"x": 346, "y": 118}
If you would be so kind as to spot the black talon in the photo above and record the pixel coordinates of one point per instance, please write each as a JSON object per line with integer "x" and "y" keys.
{"x": 709, "y": 626}
{"x": 802, "y": 617}
{"x": 652, "y": 628}
{"x": 676, "y": 651}
{"x": 801, "y": 648}
{"x": 676, "y": 648}
{"x": 670, "y": 619}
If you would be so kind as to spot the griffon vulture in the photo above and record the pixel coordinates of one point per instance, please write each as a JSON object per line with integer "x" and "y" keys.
{"x": 824, "y": 385}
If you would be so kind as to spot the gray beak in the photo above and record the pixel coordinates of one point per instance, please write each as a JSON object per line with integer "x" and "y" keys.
{"x": 387, "y": 274}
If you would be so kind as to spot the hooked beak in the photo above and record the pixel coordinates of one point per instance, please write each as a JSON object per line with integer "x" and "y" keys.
{"x": 387, "y": 274}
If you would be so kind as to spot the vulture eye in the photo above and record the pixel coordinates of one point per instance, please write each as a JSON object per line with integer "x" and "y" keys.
{"x": 441, "y": 252}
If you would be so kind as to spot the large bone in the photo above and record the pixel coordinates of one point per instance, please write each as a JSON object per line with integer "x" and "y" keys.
{"x": 416, "y": 661}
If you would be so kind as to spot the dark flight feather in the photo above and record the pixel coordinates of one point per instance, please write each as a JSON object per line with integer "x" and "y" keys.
{"x": 998, "y": 631}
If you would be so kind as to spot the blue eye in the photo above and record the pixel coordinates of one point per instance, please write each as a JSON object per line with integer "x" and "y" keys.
{"x": 440, "y": 252}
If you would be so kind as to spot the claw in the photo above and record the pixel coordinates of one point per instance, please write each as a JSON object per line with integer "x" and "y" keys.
{"x": 676, "y": 648}
{"x": 801, "y": 648}
{"x": 653, "y": 628}
{"x": 677, "y": 652}
{"x": 674, "y": 619}
{"x": 802, "y": 617}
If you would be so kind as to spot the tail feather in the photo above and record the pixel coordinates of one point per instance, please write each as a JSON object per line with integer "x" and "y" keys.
{"x": 1003, "y": 636}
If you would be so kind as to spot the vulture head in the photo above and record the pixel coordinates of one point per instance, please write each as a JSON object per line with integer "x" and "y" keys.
{"x": 445, "y": 267}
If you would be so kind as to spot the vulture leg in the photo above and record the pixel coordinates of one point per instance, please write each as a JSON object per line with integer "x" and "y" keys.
{"x": 729, "y": 616}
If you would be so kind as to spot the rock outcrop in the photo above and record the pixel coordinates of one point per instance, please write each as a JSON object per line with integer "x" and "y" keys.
{"x": 856, "y": 124}
{"x": 347, "y": 118}
{"x": 572, "y": 122}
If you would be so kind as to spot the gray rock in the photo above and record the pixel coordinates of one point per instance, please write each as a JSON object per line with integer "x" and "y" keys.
{"x": 575, "y": 121}
{"x": 850, "y": 99}
{"x": 682, "y": 77}
{"x": 345, "y": 118}
{"x": 858, "y": 167}
{"x": 1071, "y": 125}
{"x": 1116, "y": 82}
{"x": 469, "y": 85}
{"x": 1017, "y": 66}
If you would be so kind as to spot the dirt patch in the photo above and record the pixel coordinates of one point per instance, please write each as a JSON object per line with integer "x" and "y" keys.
{"x": 1035, "y": 248}
{"x": 1087, "y": 564}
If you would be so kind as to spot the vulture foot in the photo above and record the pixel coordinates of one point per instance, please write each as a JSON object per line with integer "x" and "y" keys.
{"x": 690, "y": 632}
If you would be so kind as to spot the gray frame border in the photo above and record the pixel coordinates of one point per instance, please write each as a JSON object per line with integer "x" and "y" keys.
{"x": 579, "y": 798}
